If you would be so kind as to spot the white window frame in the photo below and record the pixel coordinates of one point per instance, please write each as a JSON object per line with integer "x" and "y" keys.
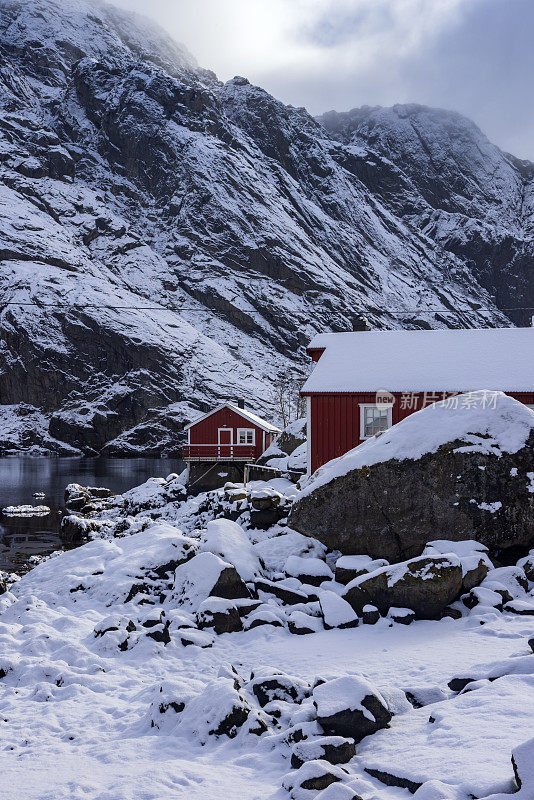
{"x": 363, "y": 406}
{"x": 225, "y": 444}
{"x": 245, "y": 431}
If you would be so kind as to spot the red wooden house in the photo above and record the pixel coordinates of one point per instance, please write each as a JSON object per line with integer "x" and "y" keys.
{"x": 366, "y": 381}
{"x": 228, "y": 433}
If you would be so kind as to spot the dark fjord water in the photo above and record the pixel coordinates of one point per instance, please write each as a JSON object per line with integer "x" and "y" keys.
{"x": 20, "y": 477}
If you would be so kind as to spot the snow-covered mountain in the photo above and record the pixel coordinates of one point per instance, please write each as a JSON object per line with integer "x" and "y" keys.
{"x": 178, "y": 240}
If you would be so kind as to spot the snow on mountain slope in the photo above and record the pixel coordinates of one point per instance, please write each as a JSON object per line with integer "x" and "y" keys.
{"x": 443, "y": 176}
{"x": 180, "y": 239}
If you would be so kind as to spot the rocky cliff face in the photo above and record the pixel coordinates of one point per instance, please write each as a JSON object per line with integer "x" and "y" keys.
{"x": 167, "y": 240}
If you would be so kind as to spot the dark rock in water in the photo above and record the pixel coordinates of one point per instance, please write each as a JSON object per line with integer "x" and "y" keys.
{"x": 350, "y": 707}
{"x": 392, "y": 509}
{"x": 76, "y": 497}
{"x": 75, "y": 528}
{"x": 100, "y": 492}
{"x": 426, "y": 585}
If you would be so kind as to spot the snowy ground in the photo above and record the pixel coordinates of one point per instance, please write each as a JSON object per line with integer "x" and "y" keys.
{"x": 77, "y": 712}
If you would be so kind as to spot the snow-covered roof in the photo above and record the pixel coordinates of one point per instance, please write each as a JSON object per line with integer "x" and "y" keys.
{"x": 437, "y": 360}
{"x": 243, "y": 412}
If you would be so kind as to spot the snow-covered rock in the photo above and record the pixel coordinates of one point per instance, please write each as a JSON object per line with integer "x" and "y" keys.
{"x": 350, "y": 706}
{"x": 308, "y": 570}
{"x": 228, "y": 540}
{"x": 452, "y": 470}
{"x": 426, "y": 585}
{"x": 221, "y": 710}
{"x": 337, "y": 613}
{"x": 207, "y": 575}
{"x": 112, "y": 571}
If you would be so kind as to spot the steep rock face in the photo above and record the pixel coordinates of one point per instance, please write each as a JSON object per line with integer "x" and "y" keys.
{"x": 178, "y": 240}
{"x": 442, "y": 176}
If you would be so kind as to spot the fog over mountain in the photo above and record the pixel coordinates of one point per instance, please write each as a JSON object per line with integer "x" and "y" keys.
{"x": 168, "y": 240}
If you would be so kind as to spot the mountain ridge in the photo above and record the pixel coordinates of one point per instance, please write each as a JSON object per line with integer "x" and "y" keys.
{"x": 183, "y": 238}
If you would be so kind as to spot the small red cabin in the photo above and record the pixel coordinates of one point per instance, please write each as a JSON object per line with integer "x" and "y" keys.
{"x": 228, "y": 433}
{"x": 366, "y": 381}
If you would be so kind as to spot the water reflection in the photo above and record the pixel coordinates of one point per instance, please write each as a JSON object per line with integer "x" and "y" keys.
{"x": 21, "y": 477}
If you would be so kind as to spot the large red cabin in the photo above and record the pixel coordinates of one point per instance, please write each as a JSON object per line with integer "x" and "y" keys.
{"x": 228, "y": 433}
{"x": 366, "y": 381}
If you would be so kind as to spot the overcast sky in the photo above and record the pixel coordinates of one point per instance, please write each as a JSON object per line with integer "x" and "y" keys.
{"x": 473, "y": 56}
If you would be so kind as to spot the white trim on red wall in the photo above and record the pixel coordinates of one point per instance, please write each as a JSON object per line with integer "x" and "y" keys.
{"x": 247, "y": 430}
{"x": 363, "y": 406}
{"x": 219, "y": 436}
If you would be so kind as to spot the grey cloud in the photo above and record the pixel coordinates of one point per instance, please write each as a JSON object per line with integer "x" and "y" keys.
{"x": 472, "y": 56}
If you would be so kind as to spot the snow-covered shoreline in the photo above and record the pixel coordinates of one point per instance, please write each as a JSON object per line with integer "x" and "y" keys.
{"x": 115, "y": 679}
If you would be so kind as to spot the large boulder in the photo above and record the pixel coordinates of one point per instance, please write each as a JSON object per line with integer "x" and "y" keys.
{"x": 350, "y": 706}
{"x": 455, "y": 470}
{"x": 229, "y": 541}
{"x": 426, "y": 585}
{"x": 207, "y": 575}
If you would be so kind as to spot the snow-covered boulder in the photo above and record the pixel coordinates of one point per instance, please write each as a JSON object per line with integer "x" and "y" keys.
{"x": 301, "y": 623}
{"x": 313, "y": 775}
{"x": 426, "y": 585}
{"x": 473, "y": 558}
{"x": 207, "y": 575}
{"x": 350, "y": 706}
{"x": 221, "y": 710}
{"x": 228, "y": 540}
{"x": 334, "y": 749}
{"x": 350, "y": 567}
{"x": 263, "y": 615}
{"x": 337, "y": 613}
{"x": 153, "y": 494}
{"x": 275, "y": 550}
{"x": 308, "y": 570}
{"x": 455, "y": 470}
{"x": 268, "y": 685}
{"x": 220, "y": 614}
{"x": 112, "y": 571}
